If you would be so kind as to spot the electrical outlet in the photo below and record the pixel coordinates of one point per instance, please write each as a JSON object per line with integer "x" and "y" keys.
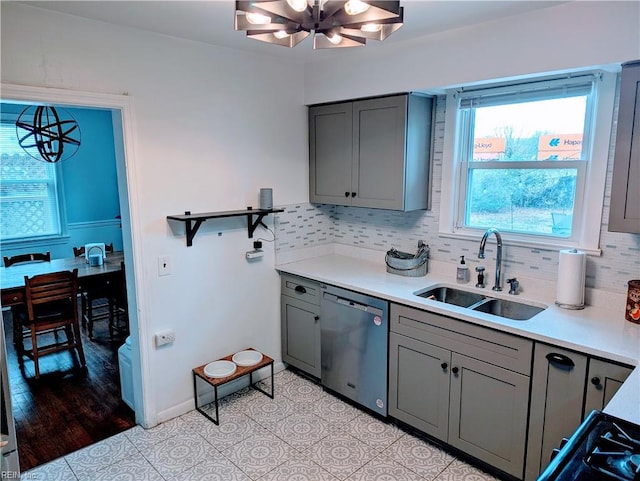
{"x": 165, "y": 337}
{"x": 164, "y": 266}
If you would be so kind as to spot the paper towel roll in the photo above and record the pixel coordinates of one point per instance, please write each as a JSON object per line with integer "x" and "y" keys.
{"x": 571, "y": 276}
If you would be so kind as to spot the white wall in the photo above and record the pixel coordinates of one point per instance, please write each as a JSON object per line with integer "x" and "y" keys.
{"x": 568, "y": 36}
{"x": 205, "y": 140}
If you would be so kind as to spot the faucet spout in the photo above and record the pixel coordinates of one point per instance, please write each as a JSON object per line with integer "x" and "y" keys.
{"x": 483, "y": 242}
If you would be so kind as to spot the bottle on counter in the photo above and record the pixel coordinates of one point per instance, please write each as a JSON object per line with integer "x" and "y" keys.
{"x": 462, "y": 274}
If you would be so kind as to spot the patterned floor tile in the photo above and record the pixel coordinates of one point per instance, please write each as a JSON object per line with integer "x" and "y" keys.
{"x": 332, "y": 409}
{"x": 376, "y": 433}
{"x": 341, "y": 454}
{"x": 232, "y": 429}
{"x": 461, "y": 471}
{"x": 145, "y": 438}
{"x": 213, "y": 469}
{"x": 298, "y": 469}
{"x": 57, "y": 470}
{"x": 300, "y": 431}
{"x": 259, "y": 454}
{"x": 301, "y": 391}
{"x": 279, "y": 380}
{"x": 419, "y": 456}
{"x": 381, "y": 468}
{"x": 102, "y": 454}
{"x": 264, "y": 409}
{"x": 134, "y": 468}
{"x": 179, "y": 453}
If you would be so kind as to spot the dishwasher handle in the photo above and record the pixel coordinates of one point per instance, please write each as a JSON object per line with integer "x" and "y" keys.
{"x": 351, "y": 304}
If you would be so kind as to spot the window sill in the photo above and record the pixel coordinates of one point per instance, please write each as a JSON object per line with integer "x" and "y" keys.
{"x": 36, "y": 243}
{"x": 516, "y": 240}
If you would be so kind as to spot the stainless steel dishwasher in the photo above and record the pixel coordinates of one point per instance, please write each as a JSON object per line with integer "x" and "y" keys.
{"x": 354, "y": 332}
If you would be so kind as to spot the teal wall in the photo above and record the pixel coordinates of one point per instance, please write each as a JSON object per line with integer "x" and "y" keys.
{"x": 89, "y": 181}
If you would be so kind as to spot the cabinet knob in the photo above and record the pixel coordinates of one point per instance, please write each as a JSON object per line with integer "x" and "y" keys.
{"x": 595, "y": 381}
{"x": 353, "y": 194}
{"x": 346, "y": 194}
{"x": 444, "y": 365}
{"x": 316, "y": 318}
{"x": 455, "y": 370}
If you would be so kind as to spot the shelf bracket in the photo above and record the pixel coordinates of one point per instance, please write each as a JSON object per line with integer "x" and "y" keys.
{"x": 192, "y": 228}
{"x": 252, "y": 226}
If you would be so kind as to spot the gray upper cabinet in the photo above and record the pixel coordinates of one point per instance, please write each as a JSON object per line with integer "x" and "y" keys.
{"x": 624, "y": 215}
{"x": 371, "y": 153}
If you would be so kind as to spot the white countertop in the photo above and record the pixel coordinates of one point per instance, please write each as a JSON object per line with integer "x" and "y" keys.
{"x": 599, "y": 330}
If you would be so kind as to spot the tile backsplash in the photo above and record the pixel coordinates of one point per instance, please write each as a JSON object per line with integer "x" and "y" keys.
{"x": 308, "y": 225}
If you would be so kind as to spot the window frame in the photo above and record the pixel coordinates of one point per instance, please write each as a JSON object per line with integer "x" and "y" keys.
{"x": 589, "y": 199}
{"x": 55, "y": 184}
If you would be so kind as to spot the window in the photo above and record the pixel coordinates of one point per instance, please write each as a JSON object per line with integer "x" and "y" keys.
{"x": 525, "y": 158}
{"x": 28, "y": 192}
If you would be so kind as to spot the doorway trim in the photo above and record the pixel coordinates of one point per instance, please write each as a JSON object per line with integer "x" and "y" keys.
{"x": 127, "y": 176}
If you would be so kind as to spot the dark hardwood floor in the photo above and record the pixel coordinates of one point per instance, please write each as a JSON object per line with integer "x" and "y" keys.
{"x": 67, "y": 408}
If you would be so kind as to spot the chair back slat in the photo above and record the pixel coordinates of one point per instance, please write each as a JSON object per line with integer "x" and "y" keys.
{"x": 57, "y": 288}
{"x": 27, "y": 258}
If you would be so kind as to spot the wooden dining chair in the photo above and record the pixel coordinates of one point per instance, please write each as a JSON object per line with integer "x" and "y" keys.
{"x": 119, "y": 320}
{"x": 51, "y": 306}
{"x": 18, "y": 313}
{"x": 96, "y": 299}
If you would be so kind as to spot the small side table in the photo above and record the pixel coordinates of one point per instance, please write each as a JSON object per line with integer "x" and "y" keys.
{"x": 198, "y": 372}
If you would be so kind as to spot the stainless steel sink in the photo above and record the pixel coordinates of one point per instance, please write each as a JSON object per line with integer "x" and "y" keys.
{"x": 510, "y": 309}
{"x": 517, "y": 311}
{"x": 451, "y": 295}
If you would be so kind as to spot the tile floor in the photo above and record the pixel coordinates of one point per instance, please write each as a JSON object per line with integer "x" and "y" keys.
{"x": 302, "y": 434}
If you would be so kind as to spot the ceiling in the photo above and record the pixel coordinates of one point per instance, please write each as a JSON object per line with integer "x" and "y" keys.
{"x": 212, "y": 21}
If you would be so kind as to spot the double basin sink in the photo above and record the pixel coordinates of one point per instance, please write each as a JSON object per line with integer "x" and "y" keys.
{"x": 517, "y": 311}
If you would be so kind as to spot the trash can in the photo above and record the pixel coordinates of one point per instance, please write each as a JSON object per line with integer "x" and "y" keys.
{"x": 126, "y": 373}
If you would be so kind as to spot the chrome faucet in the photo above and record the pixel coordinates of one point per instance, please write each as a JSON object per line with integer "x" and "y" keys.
{"x": 486, "y": 235}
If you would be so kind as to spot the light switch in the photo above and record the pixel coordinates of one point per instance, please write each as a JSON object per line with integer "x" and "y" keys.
{"x": 164, "y": 266}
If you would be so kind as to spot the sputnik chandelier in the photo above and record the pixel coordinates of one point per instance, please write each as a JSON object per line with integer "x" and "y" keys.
{"x": 335, "y": 23}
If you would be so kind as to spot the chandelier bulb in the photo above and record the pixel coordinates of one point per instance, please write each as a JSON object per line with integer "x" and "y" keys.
{"x": 334, "y": 38}
{"x": 371, "y": 27}
{"x": 258, "y": 18}
{"x": 355, "y": 7}
{"x": 298, "y": 5}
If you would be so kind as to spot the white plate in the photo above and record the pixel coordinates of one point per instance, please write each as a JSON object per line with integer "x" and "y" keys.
{"x": 219, "y": 369}
{"x": 247, "y": 358}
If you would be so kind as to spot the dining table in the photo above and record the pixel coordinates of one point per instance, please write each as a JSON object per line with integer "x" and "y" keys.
{"x": 12, "y": 284}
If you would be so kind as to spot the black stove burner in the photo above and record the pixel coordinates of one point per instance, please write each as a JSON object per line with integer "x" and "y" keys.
{"x": 616, "y": 454}
{"x": 604, "y": 448}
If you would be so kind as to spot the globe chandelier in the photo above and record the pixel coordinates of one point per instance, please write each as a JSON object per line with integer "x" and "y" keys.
{"x": 335, "y": 23}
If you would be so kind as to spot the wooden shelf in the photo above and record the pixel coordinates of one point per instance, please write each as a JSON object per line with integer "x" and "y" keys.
{"x": 194, "y": 221}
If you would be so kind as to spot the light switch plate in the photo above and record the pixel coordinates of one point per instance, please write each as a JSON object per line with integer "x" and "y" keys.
{"x": 164, "y": 266}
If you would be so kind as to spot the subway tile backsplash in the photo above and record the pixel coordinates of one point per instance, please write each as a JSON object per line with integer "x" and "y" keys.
{"x": 308, "y": 225}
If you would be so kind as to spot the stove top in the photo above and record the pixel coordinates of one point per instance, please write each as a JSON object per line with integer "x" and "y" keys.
{"x": 604, "y": 448}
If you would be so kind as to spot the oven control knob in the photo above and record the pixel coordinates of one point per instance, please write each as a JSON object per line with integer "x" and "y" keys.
{"x": 554, "y": 453}
{"x": 563, "y": 442}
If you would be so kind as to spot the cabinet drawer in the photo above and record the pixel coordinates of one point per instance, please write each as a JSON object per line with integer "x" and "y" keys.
{"x": 13, "y": 297}
{"x": 505, "y": 350}
{"x": 301, "y": 288}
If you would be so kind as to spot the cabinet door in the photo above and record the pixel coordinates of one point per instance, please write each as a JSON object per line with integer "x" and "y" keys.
{"x": 488, "y": 413}
{"x": 379, "y": 152}
{"x": 301, "y": 335}
{"x": 330, "y": 153}
{"x": 557, "y": 394}
{"x": 624, "y": 215}
{"x": 604, "y": 380}
{"x": 419, "y": 385}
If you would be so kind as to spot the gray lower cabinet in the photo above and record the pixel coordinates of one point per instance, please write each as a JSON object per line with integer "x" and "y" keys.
{"x": 566, "y": 386}
{"x": 624, "y": 215}
{"x": 300, "y": 330}
{"x": 371, "y": 153}
{"x": 557, "y": 394}
{"x": 461, "y": 383}
{"x": 603, "y": 380}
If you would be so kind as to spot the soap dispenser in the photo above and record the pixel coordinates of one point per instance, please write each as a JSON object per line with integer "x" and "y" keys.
{"x": 462, "y": 274}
